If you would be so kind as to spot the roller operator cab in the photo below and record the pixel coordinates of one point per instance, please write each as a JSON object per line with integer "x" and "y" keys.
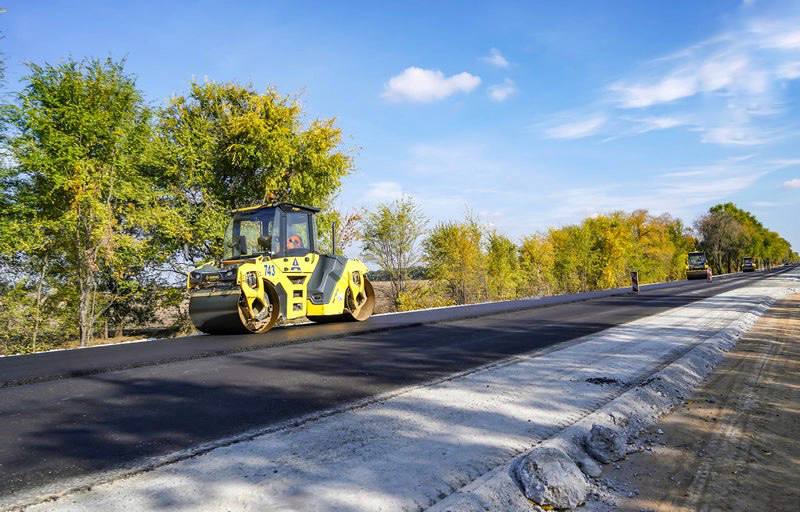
{"x": 697, "y": 266}
{"x": 748, "y": 265}
{"x": 272, "y": 270}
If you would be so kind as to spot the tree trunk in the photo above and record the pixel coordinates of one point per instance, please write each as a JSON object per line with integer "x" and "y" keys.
{"x": 37, "y": 319}
{"x": 86, "y": 301}
{"x": 398, "y": 286}
{"x": 84, "y": 313}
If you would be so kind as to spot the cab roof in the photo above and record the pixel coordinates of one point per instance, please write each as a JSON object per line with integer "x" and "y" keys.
{"x": 281, "y": 205}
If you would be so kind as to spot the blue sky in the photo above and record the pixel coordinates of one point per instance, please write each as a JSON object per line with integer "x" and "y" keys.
{"x": 529, "y": 114}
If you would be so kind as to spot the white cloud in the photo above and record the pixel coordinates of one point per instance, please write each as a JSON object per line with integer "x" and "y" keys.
{"x": 576, "y": 129}
{"x": 425, "y": 85}
{"x": 627, "y": 126}
{"x": 679, "y": 192}
{"x": 730, "y": 87}
{"x": 789, "y": 71}
{"x": 784, "y": 162}
{"x": 649, "y": 124}
{"x": 732, "y": 135}
{"x": 468, "y": 159}
{"x": 704, "y": 191}
{"x": 644, "y": 95}
{"x": 496, "y": 59}
{"x": 781, "y": 39}
{"x": 501, "y": 92}
{"x": 706, "y": 75}
{"x": 794, "y": 183}
{"x": 384, "y": 191}
{"x": 720, "y": 71}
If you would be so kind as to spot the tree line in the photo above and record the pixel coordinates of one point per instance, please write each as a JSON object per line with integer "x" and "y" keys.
{"x": 466, "y": 262}
{"x": 106, "y": 201}
{"x": 728, "y": 234}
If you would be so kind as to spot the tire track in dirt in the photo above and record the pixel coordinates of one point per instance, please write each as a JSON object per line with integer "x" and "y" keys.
{"x": 733, "y": 446}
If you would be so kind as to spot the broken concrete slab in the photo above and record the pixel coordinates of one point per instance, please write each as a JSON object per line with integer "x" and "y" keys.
{"x": 606, "y": 444}
{"x": 549, "y": 477}
{"x": 589, "y": 466}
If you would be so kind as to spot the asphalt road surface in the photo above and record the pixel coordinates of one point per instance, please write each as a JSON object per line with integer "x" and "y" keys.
{"x": 79, "y": 414}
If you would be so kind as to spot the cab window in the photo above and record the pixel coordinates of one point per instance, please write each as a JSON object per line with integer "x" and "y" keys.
{"x": 298, "y": 233}
{"x": 697, "y": 260}
{"x": 249, "y": 234}
{"x": 250, "y": 230}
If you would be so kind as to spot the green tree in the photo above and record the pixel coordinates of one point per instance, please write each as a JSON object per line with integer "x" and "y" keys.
{"x": 347, "y": 226}
{"x": 659, "y": 247}
{"x": 456, "y": 260}
{"x": 390, "y": 236}
{"x": 537, "y": 266}
{"x": 683, "y": 241}
{"x": 612, "y": 246}
{"x": 15, "y": 309}
{"x": 723, "y": 238}
{"x": 78, "y": 205}
{"x": 224, "y": 146}
{"x": 502, "y": 267}
{"x": 575, "y": 265}
{"x": 754, "y": 241}
{"x": 603, "y": 250}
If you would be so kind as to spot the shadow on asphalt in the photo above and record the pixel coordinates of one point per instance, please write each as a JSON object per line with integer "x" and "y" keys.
{"x": 96, "y": 423}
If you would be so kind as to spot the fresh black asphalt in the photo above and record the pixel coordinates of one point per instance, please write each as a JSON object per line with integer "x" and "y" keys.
{"x": 57, "y": 426}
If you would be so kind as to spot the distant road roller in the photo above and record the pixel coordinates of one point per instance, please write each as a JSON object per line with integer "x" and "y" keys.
{"x": 697, "y": 266}
{"x": 273, "y": 270}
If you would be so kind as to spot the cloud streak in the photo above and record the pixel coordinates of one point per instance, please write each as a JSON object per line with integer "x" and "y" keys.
{"x": 730, "y": 89}
{"x": 679, "y": 192}
{"x": 576, "y": 129}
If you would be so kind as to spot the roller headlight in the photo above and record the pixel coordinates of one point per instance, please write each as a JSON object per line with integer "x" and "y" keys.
{"x": 227, "y": 275}
{"x": 252, "y": 280}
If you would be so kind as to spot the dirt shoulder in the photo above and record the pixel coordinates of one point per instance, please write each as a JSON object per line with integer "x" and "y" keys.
{"x": 734, "y": 445}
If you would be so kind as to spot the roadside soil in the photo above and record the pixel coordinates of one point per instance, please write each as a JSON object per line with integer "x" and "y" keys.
{"x": 383, "y": 294}
{"x": 383, "y": 297}
{"x": 734, "y": 445}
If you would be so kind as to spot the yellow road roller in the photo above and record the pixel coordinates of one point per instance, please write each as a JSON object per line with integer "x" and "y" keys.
{"x": 697, "y": 266}
{"x": 273, "y": 270}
